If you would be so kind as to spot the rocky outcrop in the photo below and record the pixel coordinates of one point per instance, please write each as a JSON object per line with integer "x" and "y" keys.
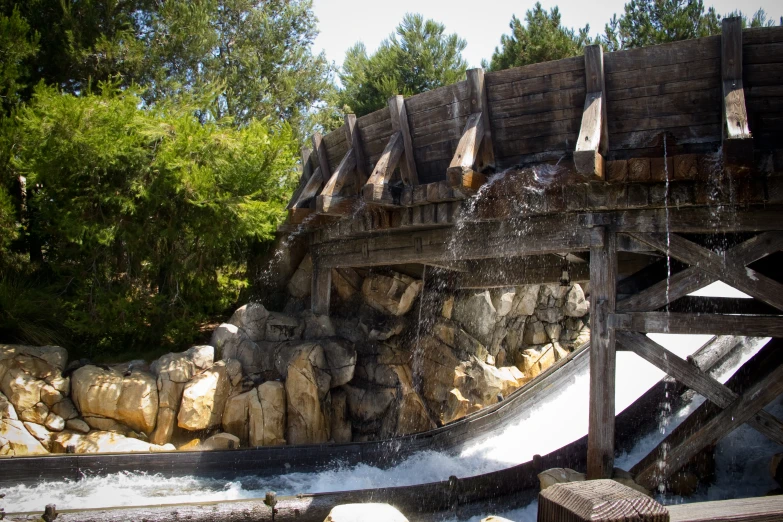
{"x": 307, "y": 422}
{"x": 102, "y": 442}
{"x": 267, "y": 415}
{"x": 204, "y": 399}
{"x": 393, "y": 294}
{"x": 17, "y": 441}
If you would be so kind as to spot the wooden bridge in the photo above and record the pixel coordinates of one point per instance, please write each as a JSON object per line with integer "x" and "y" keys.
{"x": 649, "y": 173}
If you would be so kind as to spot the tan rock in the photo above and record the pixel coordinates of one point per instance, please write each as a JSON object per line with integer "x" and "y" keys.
{"x": 535, "y": 333}
{"x": 318, "y": 326}
{"x": 576, "y": 305}
{"x": 50, "y": 396}
{"x": 300, "y": 284}
{"x": 21, "y": 388}
{"x": 251, "y": 318}
{"x": 60, "y": 383}
{"x": 495, "y": 519}
{"x": 341, "y": 361}
{"x": 38, "y": 361}
{"x": 232, "y": 342}
{"x": 281, "y": 327}
{"x": 438, "y": 365}
{"x": 220, "y": 441}
{"x": 129, "y": 400}
{"x": 525, "y": 301}
{"x": 100, "y": 442}
{"x": 54, "y": 422}
{"x": 488, "y": 382}
{"x": 448, "y": 307}
{"x": 369, "y": 404}
{"x": 234, "y": 372}
{"x": 306, "y": 421}
{"x": 559, "y": 351}
{"x": 7, "y": 410}
{"x": 412, "y": 415}
{"x": 365, "y": 513}
{"x": 65, "y": 409}
{"x": 267, "y": 415}
{"x": 235, "y": 416}
{"x": 106, "y": 424}
{"x": 535, "y": 360}
{"x": 164, "y": 425}
{"x": 77, "y": 425}
{"x": 502, "y": 300}
{"x": 315, "y": 356}
{"x": 19, "y": 440}
{"x": 43, "y": 435}
{"x": 456, "y": 407}
{"x": 180, "y": 367}
{"x": 347, "y": 282}
{"x": 204, "y": 399}
{"x": 554, "y": 476}
{"x": 193, "y": 445}
{"x": 36, "y": 414}
{"x": 393, "y": 295}
{"x": 340, "y": 424}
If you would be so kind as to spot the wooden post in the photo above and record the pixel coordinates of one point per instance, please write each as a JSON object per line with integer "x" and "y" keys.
{"x": 321, "y": 289}
{"x": 598, "y": 500}
{"x": 479, "y": 103}
{"x": 593, "y": 141}
{"x": 355, "y": 141}
{"x": 399, "y": 119}
{"x": 603, "y": 291}
{"x": 737, "y": 141}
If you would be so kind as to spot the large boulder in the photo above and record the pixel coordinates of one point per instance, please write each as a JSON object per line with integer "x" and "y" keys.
{"x": 235, "y": 416}
{"x": 232, "y": 342}
{"x": 438, "y": 367}
{"x": 340, "y": 360}
{"x": 16, "y": 440}
{"x": 313, "y": 354}
{"x": 41, "y": 362}
{"x": 411, "y": 414}
{"x": 251, "y": 318}
{"x": 536, "y": 359}
{"x": 477, "y": 315}
{"x": 204, "y": 399}
{"x": 365, "y": 512}
{"x": 22, "y": 389}
{"x": 393, "y": 295}
{"x": 576, "y": 305}
{"x": 307, "y": 422}
{"x": 102, "y": 442}
{"x": 340, "y": 424}
{"x": 347, "y": 282}
{"x": 7, "y": 410}
{"x": 107, "y": 394}
{"x": 369, "y": 403}
{"x": 267, "y": 415}
{"x": 525, "y": 301}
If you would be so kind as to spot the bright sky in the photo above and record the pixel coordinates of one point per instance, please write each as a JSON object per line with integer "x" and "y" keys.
{"x": 344, "y": 22}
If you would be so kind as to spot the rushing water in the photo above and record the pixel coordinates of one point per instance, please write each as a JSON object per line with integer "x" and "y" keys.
{"x": 555, "y": 421}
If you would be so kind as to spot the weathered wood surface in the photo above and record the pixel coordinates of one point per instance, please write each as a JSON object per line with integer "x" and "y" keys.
{"x": 501, "y": 273}
{"x": 321, "y": 288}
{"x": 479, "y": 103}
{"x": 377, "y": 190}
{"x": 760, "y": 509}
{"x": 737, "y": 141}
{"x": 603, "y": 292}
{"x": 353, "y": 137}
{"x": 683, "y": 323}
{"x": 696, "y": 379}
{"x": 400, "y": 122}
{"x": 597, "y": 500}
{"x": 344, "y": 175}
{"x": 593, "y": 140}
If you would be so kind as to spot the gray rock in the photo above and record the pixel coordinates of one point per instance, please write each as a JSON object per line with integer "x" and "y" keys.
{"x": 576, "y": 305}
{"x": 535, "y": 333}
{"x": 252, "y": 319}
{"x": 300, "y": 284}
{"x": 525, "y": 300}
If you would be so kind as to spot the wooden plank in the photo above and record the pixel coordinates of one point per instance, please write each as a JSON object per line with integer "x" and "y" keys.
{"x": 683, "y": 323}
{"x": 760, "y": 509}
{"x": 377, "y": 189}
{"x": 436, "y": 151}
{"x": 617, "y": 127}
{"x": 693, "y": 278}
{"x": 603, "y": 291}
{"x": 659, "y": 89}
{"x": 762, "y": 35}
{"x": 653, "y": 138}
{"x": 320, "y": 154}
{"x": 593, "y": 140}
{"x": 479, "y": 104}
{"x": 561, "y": 142}
{"x": 321, "y": 289}
{"x": 399, "y": 118}
{"x": 737, "y": 141}
{"x": 534, "y": 71}
{"x": 663, "y": 55}
{"x": 465, "y": 156}
{"x": 765, "y": 53}
{"x": 697, "y": 220}
{"x": 762, "y": 74}
{"x": 662, "y": 75}
{"x": 539, "y": 102}
{"x": 440, "y": 113}
{"x": 573, "y": 113}
{"x": 448, "y": 130}
{"x": 665, "y": 105}
{"x": 550, "y": 82}
{"x": 441, "y": 96}
{"x": 568, "y": 126}
{"x": 353, "y": 137}
{"x": 310, "y": 190}
{"x": 502, "y": 273}
{"x": 743, "y": 279}
{"x": 739, "y": 412}
{"x": 597, "y": 501}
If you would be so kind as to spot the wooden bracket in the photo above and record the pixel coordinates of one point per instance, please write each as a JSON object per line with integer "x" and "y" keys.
{"x": 480, "y": 103}
{"x": 355, "y": 141}
{"x": 338, "y": 196}
{"x": 737, "y": 140}
{"x": 593, "y": 141}
{"x": 461, "y": 174}
{"x": 399, "y": 120}
{"x": 377, "y": 191}
{"x": 307, "y": 172}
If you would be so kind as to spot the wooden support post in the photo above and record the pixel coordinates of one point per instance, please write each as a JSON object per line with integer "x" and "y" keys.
{"x": 737, "y": 141}
{"x": 603, "y": 281}
{"x": 307, "y": 172}
{"x": 399, "y": 119}
{"x": 377, "y": 190}
{"x": 462, "y": 173}
{"x": 593, "y": 140}
{"x": 321, "y": 289}
{"x": 319, "y": 148}
{"x": 355, "y": 141}
{"x": 597, "y": 500}
{"x": 331, "y": 201}
{"x": 479, "y": 103}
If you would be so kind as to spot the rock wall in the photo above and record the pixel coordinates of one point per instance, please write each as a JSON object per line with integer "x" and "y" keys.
{"x": 371, "y": 371}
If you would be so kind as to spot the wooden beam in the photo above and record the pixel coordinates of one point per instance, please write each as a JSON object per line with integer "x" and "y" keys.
{"x": 597, "y": 501}
{"x": 332, "y": 201}
{"x": 305, "y": 205}
{"x": 716, "y": 324}
{"x": 321, "y": 289}
{"x": 307, "y": 172}
{"x": 757, "y": 509}
{"x": 593, "y": 141}
{"x": 737, "y": 140}
{"x": 690, "y": 220}
{"x": 377, "y": 190}
{"x": 695, "y": 379}
{"x": 694, "y": 278}
{"x": 743, "y": 279}
{"x": 603, "y": 291}
{"x": 355, "y": 142}
{"x": 321, "y": 156}
{"x": 479, "y": 103}
{"x": 399, "y": 119}
{"x": 501, "y": 273}
{"x": 738, "y": 412}
{"x": 463, "y": 163}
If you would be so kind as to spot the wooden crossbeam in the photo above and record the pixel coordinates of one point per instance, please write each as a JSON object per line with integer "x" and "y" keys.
{"x": 682, "y": 323}
{"x": 743, "y": 279}
{"x": 603, "y": 292}
{"x": 689, "y": 220}
{"x": 502, "y": 273}
{"x": 593, "y": 141}
{"x": 737, "y": 413}
{"x": 377, "y": 190}
{"x": 695, "y": 379}
{"x": 694, "y": 278}
{"x": 737, "y": 140}
{"x": 462, "y": 173}
{"x": 399, "y": 120}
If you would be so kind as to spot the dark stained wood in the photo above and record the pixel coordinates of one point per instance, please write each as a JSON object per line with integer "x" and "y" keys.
{"x": 307, "y": 172}
{"x": 399, "y": 118}
{"x": 344, "y": 175}
{"x": 539, "y": 102}
{"x": 593, "y": 140}
{"x": 739, "y": 412}
{"x": 321, "y": 288}
{"x": 665, "y": 54}
{"x": 479, "y": 103}
{"x": 441, "y": 96}
{"x": 760, "y": 509}
{"x": 597, "y": 500}
{"x": 319, "y": 148}
{"x": 697, "y": 221}
{"x": 534, "y": 71}
{"x": 377, "y": 189}
{"x": 603, "y": 291}
{"x": 502, "y": 273}
{"x": 465, "y": 156}
{"x": 683, "y": 323}
{"x": 737, "y": 141}
{"x": 355, "y": 140}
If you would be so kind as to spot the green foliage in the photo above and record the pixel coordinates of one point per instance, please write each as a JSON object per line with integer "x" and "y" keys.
{"x": 651, "y": 22}
{"x": 540, "y": 38}
{"x": 146, "y": 216}
{"x": 17, "y": 44}
{"x": 418, "y": 57}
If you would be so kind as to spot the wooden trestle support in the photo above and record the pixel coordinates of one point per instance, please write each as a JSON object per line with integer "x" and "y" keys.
{"x": 682, "y": 169}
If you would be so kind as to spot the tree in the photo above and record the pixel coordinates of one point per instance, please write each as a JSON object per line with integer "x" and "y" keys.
{"x": 17, "y": 45}
{"x": 541, "y": 38}
{"x": 417, "y": 57}
{"x": 652, "y": 22}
